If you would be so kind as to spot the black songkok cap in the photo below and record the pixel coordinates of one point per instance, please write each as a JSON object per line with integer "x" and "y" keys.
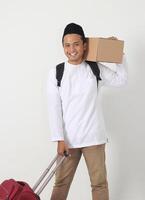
{"x": 73, "y": 28}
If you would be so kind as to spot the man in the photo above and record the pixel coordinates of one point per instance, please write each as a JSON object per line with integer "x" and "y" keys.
{"x": 75, "y": 115}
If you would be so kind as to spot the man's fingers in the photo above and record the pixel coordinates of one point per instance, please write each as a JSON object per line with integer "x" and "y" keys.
{"x": 112, "y": 38}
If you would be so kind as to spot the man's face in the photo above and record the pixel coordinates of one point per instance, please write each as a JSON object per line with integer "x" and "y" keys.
{"x": 74, "y": 48}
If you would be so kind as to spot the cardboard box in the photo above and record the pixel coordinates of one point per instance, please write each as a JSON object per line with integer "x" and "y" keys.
{"x": 104, "y": 50}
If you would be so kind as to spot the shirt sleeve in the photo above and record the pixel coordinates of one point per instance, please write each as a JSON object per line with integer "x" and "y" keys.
{"x": 54, "y": 107}
{"x": 113, "y": 77}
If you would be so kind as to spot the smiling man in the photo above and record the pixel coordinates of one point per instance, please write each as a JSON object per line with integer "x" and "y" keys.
{"x": 74, "y": 48}
{"x": 75, "y": 116}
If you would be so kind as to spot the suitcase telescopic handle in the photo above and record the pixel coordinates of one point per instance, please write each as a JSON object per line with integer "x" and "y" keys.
{"x": 46, "y": 181}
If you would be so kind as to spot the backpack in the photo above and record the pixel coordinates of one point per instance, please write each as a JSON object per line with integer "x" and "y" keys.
{"x": 93, "y": 65}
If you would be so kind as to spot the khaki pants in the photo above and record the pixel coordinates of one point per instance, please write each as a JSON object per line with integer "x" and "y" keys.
{"x": 95, "y": 161}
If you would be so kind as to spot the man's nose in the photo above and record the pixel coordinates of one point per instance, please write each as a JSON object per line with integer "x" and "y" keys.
{"x": 72, "y": 48}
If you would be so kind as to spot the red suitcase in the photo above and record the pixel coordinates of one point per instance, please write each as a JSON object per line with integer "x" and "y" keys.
{"x": 19, "y": 190}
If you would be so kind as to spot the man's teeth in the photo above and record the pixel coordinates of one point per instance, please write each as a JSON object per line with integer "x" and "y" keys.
{"x": 73, "y": 54}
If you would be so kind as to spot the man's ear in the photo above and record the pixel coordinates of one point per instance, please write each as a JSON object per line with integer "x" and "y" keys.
{"x": 85, "y": 46}
{"x": 85, "y": 49}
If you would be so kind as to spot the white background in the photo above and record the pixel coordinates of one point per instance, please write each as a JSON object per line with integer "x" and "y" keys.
{"x": 30, "y": 44}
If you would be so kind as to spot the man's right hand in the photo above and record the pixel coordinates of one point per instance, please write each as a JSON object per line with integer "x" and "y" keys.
{"x": 62, "y": 147}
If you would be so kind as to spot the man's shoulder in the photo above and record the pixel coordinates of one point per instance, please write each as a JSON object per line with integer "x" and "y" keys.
{"x": 51, "y": 73}
{"x": 52, "y": 70}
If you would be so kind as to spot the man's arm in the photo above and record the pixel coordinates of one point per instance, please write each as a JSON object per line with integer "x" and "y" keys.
{"x": 54, "y": 108}
{"x": 55, "y": 113}
{"x": 113, "y": 77}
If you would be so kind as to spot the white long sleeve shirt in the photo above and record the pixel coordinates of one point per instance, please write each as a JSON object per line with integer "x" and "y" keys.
{"x": 75, "y": 113}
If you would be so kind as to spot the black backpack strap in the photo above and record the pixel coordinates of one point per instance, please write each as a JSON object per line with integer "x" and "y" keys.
{"x": 59, "y": 73}
{"x": 95, "y": 69}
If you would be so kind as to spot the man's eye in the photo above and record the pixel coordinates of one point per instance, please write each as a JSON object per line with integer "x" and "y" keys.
{"x": 67, "y": 45}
